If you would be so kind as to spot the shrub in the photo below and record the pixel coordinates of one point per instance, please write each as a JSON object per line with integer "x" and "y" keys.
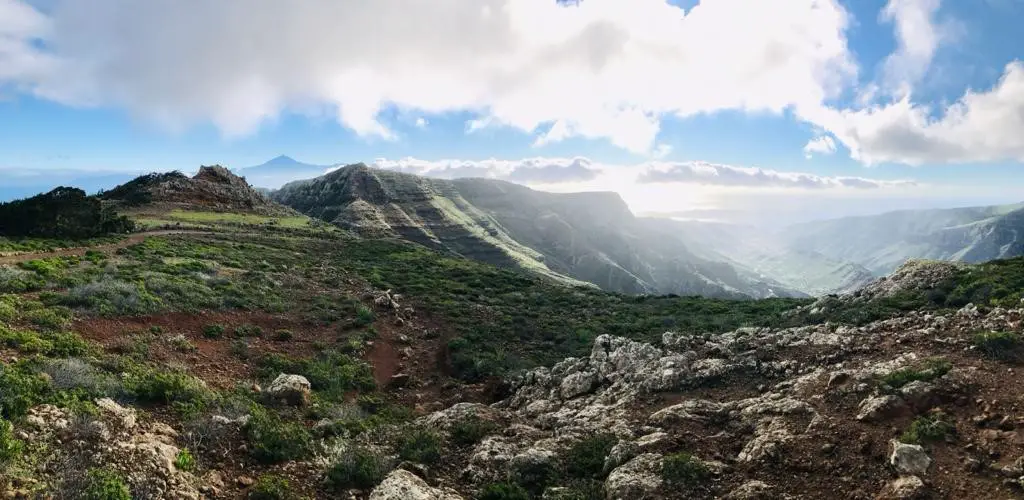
{"x": 10, "y": 448}
{"x": 470, "y": 431}
{"x": 103, "y": 484}
{"x": 20, "y": 389}
{"x": 683, "y": 469}
{"x": 110, "y": 297}
{"x": 270, "y": 487}
{"x": 360, "y": 469}
{"x": 330, "y": 373}
{"x": 53, "y": 318}
{"x": 244, "y": 331}
{"x": 213, "y": 331}
{"x": 185, "y": 461}
{"x": 273, "y": 440}
{"x": 283, "y": 335}
{"x": 73, "y": 373}
{"x": 181, "y": 343}
{"x": 166, "y": 387}
{"x": 420, "y": 446}
{"x": 585, "y": 459}
{"x": 13, "y": 280}
{"x": 928, "y": 429}
{"x": 364, "y": 316}
{"x": 930, "y": 369}
{"x": 1004, "y": 346}
{"x": 240, "y": 348}
{"x": 504, "y": 491}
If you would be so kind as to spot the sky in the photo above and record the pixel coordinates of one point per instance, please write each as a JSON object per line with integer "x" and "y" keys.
{"x": 789, "y": 110}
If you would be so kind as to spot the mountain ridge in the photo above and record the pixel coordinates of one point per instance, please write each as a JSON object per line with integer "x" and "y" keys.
{"x": 589, "y": 237}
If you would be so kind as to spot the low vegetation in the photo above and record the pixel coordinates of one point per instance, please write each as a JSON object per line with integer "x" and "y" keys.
{"x": 931, "y": 428}
{"x": 929, "y": 369}
{"x": 1004, "y": 346}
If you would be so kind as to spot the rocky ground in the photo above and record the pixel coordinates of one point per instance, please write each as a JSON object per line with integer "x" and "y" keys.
{"x": 915, "y": 406}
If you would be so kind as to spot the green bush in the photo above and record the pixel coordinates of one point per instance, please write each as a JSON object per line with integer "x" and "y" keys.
{"x": 928, "y": 429}
{"x": 244, "y": 331}
{"x": 930, "y": 369}
{"x": 184, "y": 460}
{"x": 364, "y": 316}
{"x": 274, "y": 440}
{"x": 504, "y": 491}
{"x": 166, "y": 387}
{"x": 585, "y": 459}
{"x": 103, "y": 484}
{"x": 240, "y": 348}
{"x": 213, "y": 331}
{"x": 359, "y": 469}
{"x": 330, "y": 373}
{"x": 683, "y": 469}
{"x": 10, "y": 448}
{"x": 20, "y": 389}
{"x": 270, "y": 487}
{"x": 283, "y": 335}
{"x": 111, "y": 297}
{"x": 420, "y": 445}
{"x": 472, "y": 430}
{"x": 1004, "y": 346}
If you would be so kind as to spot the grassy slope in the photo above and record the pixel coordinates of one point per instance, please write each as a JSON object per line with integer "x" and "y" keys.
{"x": 493, "y": 320}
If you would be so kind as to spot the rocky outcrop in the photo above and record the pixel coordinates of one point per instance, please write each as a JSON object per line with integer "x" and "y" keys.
{"x": 213, "y": 188}
{"x": 288, "y": 389}
{"x": 142, "y": 452}
{"x": 758, "y": 399}
{"x": 404, "y": 485}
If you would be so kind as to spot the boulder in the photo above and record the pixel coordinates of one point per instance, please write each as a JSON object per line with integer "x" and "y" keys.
{"x": 637, "y": 479}
{"x": 290, "y": 389}
{"x": 404, "y": 485}
{"x": 909, "y": 459}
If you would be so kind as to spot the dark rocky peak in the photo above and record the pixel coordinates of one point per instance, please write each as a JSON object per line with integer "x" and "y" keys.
{"x": 219, "y": 175}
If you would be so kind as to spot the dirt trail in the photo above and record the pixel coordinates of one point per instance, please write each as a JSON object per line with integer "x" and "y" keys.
{"x": 14, "y": 258}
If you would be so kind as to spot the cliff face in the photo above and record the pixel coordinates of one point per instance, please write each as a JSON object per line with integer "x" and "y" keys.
{"x": 588, "y": 237}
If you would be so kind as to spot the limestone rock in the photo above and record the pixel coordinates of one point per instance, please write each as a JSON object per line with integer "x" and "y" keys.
{"x": 637, "y": 479}
{"x": 881, "y": 407}
{"x": 404, "y": 485}
{"x": 909, "y": 459}
{"x": 290, "y": 389}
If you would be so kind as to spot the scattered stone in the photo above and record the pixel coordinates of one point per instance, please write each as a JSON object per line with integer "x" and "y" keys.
{"x": 881, "y": 407}
{"x": 909, "y": 459}
{"x": 905, "y": 488}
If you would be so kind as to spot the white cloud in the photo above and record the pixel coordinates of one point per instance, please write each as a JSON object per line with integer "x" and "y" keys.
{"x": 20, "y": 61}
{"x": 607, "y": 69}
{"x": 422, "y": 122}
{"x": 918, "y": 37}
{"x": 821, "y": 145}
{"x": 981, "y": 126}
{"x": 711, "y": 174}
{"x": 661, "y": 151}
{"x": 532, "y": 171}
